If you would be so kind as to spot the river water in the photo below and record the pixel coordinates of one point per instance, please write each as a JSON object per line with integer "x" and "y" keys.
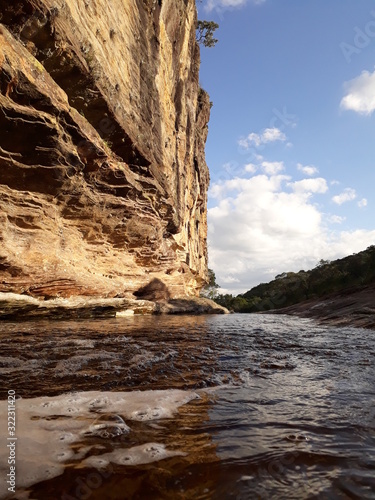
{"x": 210, "y": 407}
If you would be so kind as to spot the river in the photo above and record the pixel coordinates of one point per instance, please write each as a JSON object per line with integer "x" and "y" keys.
{"x": 183, "y": 407}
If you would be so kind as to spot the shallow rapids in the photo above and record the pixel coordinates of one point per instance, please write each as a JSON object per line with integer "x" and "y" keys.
{"x": 237, "y": 406}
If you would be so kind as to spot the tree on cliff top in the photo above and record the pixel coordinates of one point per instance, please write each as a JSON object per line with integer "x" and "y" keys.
{"x": 205, "y": 33}
{"x": 210, "y": 290}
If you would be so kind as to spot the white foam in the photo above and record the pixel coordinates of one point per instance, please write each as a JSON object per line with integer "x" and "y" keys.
{"x": 10, "y": 361}
{"x": 84, "y": 343}
{"x": 144, "y": 357}
{"x": 88, "y": 343}
{"x": 47, "y": 427}
{"x": 9, "y": 365}
{"x": 141, "y": 359}
{"x": 74, "y": 364}
{"x": 142, "y": 454}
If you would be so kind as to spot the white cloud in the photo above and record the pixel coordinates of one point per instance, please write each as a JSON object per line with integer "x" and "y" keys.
{"x": 266, "y": 136}
{"x": 227, "y": 4}
{"x": 316, "y": 185}
{"x": 227, "y": 166}
{"x": 273, "y": 134}
{"x": 272, "y": 167}
{"x": 362, "y": 203}
{"x": 230, "y": 279}
{"x": 335, "y": 219}
{"x": 307, "y": 169}
{"x": 251, "y": 168}
{"x": 360, "y": 94}
{"x": 259, "y": 228}
{"x": 348, "y": 194}
{"x": 216, "y": 190}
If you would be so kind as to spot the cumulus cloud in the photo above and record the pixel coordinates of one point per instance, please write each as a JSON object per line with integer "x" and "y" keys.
{"x": 260, "y": 227}
{"x": 316, "y": 185}
{"x": 348, "y": 194}
{"x": 266, "y": 136}
{"x": 307, "y": 169}
{"x": 335, "y": 219}
{"x": 272, "y": 167}
{"x": 231, "y": 279}
{"x": 362, "y": 203}
{"x": 272, "y": 134}
{"x": 227, "y": 4}
{"x": 251, "y": 168}
{"x": 360, "y": 94}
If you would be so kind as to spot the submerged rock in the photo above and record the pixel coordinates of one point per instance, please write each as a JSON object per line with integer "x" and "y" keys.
{"x": 108, "y": 426}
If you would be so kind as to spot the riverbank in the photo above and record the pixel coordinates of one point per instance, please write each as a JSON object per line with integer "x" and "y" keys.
{"x": 354, "y": 306}
{"x": 21, "y": 307}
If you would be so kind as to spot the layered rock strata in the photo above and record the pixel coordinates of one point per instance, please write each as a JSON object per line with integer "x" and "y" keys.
{"x": 354, "y": 306}
{"x": 103, "y": 179}
{"x": 23, "y": 307}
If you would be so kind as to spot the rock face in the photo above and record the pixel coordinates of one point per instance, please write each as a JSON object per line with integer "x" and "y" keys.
{"x": 354, "y": 306}
{"x": 103, "y": 179}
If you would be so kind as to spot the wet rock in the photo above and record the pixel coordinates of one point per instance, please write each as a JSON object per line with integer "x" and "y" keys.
{"x": 22, "y": 307}
{"x": 193, "y": 305}
{"x": 354, "y": 306}
{"x": 108, "y": 426}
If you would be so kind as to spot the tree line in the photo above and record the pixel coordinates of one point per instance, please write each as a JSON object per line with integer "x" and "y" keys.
{"x": 290, "y": 288}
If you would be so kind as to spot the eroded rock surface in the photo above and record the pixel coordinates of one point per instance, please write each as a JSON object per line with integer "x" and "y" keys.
{"x": 354, "y": 306}
{"x": 103, "y": 179}
{"x": 23, "y": 307}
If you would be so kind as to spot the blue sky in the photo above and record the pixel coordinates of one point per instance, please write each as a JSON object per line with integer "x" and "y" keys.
{"x": 291, "y": 136}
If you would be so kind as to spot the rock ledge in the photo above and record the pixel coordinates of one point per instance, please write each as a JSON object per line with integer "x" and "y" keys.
{"x": 23, "y": 307}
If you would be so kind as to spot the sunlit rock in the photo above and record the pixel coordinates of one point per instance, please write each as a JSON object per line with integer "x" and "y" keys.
{"x": 103, "y": 180}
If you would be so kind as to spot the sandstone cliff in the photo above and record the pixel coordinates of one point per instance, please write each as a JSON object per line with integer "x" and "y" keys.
{"x": 103, "y": 179}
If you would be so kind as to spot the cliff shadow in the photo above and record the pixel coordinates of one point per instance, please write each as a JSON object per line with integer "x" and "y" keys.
{"x": 155, "y": 291}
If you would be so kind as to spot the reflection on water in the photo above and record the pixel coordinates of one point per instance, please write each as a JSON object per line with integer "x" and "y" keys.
{"x": 239, "y": 406}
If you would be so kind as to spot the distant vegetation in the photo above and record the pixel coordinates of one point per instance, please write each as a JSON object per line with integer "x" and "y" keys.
{"x": 291, "y": 288}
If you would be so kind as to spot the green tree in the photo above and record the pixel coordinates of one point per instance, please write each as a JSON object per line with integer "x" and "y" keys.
{"x": 322, "y": 263}
{"x": 205, "y": 33}
{"x": 225, "y": 300}
{"x": 210, "y": 290}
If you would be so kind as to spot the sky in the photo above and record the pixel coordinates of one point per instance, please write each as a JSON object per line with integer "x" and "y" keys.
{"x": 291, "y": 136}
